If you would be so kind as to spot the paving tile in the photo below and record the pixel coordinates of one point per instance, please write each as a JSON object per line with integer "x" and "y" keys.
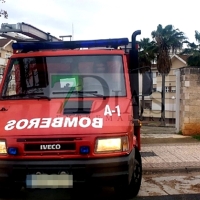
{"x": 172, "y": 156}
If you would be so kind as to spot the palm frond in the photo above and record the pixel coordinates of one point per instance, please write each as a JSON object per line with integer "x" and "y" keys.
{"x": 194, "y": 60}
{"x": 147, "y": 52}
{"x": 167, "y": 39}
{"x": 197, "y": 36}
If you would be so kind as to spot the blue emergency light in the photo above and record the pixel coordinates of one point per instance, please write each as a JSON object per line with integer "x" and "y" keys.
{"x": 84, "y": 149}
{"x": 34, "y": 46}
{"x": 13, "y": 151}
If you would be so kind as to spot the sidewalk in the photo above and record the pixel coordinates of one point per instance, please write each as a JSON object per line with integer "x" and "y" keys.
{"x": 163, "y": 150}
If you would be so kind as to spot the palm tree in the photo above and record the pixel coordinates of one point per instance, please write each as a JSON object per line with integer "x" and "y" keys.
{"x": 147, "y": 50}
{"x": 193, "y": 50}
{"x": 167, "y": 39}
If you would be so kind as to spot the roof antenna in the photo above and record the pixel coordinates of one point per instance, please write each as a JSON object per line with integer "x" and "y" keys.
{"x": 72, "y": 31}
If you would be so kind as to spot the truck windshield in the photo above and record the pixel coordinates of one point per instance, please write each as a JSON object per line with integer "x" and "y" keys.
{"x": 61, "y": 76}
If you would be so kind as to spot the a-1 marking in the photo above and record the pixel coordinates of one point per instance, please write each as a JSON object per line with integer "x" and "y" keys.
{"x": 109, "y": 112}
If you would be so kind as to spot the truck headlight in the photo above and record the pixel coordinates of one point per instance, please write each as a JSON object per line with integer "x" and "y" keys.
{"x": 106, "y": 145}
{"x": 3, "y": 147}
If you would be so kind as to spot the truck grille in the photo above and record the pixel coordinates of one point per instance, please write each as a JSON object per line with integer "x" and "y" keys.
{"x": 47, "y": 139}
{"x": 50, "y": 147}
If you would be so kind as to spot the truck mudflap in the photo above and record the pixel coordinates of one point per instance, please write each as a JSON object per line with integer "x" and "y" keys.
{"x": 104, "y": 171}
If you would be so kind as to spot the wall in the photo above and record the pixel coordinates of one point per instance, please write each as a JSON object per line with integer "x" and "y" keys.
{"x": 190, "y": 100}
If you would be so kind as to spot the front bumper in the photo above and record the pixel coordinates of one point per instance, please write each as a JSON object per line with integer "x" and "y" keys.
{"x": 107, "y": 171}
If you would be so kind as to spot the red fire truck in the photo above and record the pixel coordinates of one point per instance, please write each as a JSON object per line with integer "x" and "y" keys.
{"x": 69, "y": 112}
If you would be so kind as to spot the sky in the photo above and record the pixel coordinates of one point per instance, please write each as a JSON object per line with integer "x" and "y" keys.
{"x": 101, "y": 19}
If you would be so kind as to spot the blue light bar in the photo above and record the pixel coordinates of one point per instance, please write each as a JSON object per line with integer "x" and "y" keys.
{"x": 13, "y": 151}
{"x": 34, "y": 46}
{"x": 84, "y": 149}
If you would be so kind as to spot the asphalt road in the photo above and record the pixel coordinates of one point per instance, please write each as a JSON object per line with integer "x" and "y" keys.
{"x": 183, "y": 186}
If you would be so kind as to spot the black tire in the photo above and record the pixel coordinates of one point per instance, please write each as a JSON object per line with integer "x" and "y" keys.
{"x": 10, "y": 191}
{"x": 132, "y": 190}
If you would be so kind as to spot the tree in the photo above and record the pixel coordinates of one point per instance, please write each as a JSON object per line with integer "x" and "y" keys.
{"x": 3, "y": 12}
{"x": 147, "y": 50}
{"x": 193, "y": 50}
{"x": 167, "y": 39}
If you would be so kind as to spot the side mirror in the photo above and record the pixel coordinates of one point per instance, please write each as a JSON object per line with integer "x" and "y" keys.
{"x": 147, "y": 83}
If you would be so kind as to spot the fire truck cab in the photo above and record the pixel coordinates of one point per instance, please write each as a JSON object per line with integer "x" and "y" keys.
{"x": 72, "y": 114}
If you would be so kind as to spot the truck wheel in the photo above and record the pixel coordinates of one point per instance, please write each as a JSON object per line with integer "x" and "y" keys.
{"x": 131, "y": 190}
{"x": 10, "y": 192}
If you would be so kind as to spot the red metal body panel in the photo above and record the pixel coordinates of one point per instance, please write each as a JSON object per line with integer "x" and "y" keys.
{"x": 24, "y": 111}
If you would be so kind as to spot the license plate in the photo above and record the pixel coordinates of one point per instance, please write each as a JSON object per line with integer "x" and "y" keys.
{"x": 49, "y": 181}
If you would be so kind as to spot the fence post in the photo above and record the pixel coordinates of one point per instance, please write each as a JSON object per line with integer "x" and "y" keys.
{"x": 177, "y": 100}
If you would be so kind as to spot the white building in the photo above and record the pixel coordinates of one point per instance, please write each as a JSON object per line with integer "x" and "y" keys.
{"x": 5, "y": 52}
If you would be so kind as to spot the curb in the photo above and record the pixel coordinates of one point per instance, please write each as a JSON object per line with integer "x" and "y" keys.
{"x": 146, "y": 142}
{"x": 147, "y": 170}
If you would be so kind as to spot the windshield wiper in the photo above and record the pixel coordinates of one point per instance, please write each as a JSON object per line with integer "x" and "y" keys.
{"x": 94, "y": 93}
{"x": 28, "y": 96}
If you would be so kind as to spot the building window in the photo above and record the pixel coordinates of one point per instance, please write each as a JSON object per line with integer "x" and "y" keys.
{"x": 170, "y": 89}
{"x": 173, "y": 89}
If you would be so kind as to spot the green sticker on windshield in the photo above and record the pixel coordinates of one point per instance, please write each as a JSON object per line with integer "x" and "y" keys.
{"x": 66, "y": 82}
